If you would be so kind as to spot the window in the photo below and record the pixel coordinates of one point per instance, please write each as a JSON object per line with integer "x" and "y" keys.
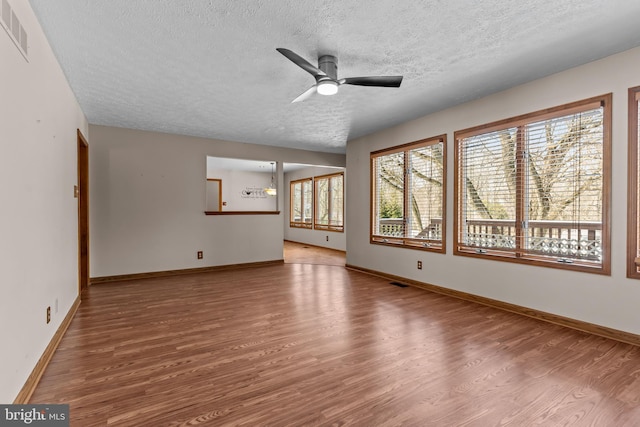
{"x": 329, "y": 211}
{"x": 301, "y": 203}
{"x": 633, "y": 227}
{"x": 535, "y": 188}
{"x": 408, "y": 195}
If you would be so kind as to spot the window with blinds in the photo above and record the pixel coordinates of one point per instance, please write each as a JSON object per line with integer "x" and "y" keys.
{"x": 329, "y": 202}
{"x": 301, "y": 203}
{"x": 633, "y": 226}
{"x": 408, "y": 195}
{"x": 536, "y": 188}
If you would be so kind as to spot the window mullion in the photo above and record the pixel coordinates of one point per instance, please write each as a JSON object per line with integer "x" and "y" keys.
{"x": 407, "y": 194}
{"x": 521, "y": 191}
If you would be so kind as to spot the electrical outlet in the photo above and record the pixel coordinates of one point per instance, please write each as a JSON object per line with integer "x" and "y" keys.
{"x": 419, "y": 265}
{"x": 48, "y": 314}
{"x": 327, "y": 238}
{"x": 200, "y": 255}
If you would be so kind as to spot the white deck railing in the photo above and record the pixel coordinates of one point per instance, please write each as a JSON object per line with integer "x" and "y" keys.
{"x": 564, "y": 239}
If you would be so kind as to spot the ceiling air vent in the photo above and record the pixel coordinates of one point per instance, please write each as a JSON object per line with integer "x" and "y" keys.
{"x": 10, "y": 22}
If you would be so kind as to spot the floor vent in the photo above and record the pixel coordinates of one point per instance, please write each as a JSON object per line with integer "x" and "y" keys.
{"x": 398, "y": 284}
{"x": 11, "y": 24}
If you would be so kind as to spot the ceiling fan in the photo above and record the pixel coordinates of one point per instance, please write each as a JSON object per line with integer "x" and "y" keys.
{"x": 326, "y": 75}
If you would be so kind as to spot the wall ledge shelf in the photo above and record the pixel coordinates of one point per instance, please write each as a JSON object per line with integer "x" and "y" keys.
{"x": 242, "y": 212}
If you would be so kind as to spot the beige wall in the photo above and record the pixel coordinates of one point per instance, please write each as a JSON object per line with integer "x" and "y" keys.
{"x": 603, "y": 300}
{"x": 148, "y": 203}
{"x": 39, "y": 116}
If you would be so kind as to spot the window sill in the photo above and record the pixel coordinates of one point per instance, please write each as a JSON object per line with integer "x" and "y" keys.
{"x": 531, "y": 259}
{"x": 328, "y": 228}
{"x": 300, "y": 225}
{"x": 242, "y": 212}
{"x": 428, "y": 246}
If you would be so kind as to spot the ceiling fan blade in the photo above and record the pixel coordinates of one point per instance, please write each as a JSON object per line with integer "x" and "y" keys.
{"x": 383, "y": 81}
{"x": 302, "y": 63}
{"x": 305, "y": 95}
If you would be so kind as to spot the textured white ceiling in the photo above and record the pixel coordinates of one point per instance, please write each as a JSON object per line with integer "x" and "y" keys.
{"x": 209, "y": 68}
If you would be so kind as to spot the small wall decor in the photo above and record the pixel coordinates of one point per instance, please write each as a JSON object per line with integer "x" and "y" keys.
{"x": 254, "y": 193}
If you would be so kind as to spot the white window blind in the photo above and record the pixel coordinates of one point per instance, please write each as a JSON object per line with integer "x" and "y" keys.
{"x": 296, "y": 202}
{"x": 489, "y": 190}
{"x": 307, "y": 201}
{"x": 425, "y": 211}
{"x": 563, "y": 186}
{"x": 322, "y": 202}
{"x": 336, "y": 198}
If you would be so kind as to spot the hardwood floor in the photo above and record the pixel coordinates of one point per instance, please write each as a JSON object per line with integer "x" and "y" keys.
{"x": 319, "y": 345}
{"x": 300, "y": 253}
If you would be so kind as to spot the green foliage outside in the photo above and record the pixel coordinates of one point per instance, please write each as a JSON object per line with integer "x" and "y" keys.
{"x": 390, "y": 209}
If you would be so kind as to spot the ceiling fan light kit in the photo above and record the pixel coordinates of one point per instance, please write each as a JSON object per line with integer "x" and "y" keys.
{"x": 326, "y": 75}
{"x": 327, "y": 87}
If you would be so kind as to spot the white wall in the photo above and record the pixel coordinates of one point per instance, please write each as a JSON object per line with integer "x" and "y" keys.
{"x": 608, "y": 301}
{"x": 310, "y": 236}
{"x": 39, "y": 116}
{"x": 148, "y": 203}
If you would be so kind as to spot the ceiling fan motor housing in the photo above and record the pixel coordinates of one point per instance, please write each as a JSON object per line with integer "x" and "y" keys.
{"x": 329, "y": 65}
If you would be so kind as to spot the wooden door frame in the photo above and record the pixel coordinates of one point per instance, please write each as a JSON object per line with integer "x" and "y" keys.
{"x": 83, "y": 213}
{"x": 219, "y": 181}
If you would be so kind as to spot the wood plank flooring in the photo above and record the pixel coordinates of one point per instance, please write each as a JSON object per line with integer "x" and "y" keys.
{"x": 319, "y": 345}
{"x": 300, "y": 253}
